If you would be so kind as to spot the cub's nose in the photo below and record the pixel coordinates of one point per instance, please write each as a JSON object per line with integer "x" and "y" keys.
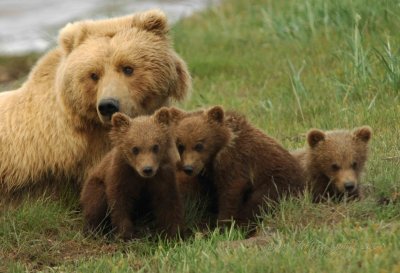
{"x": 349, "y": 186}
{"x": 148, "y": 171}
{"x": 188, "y": 169}
{"x": 107, "y": 107}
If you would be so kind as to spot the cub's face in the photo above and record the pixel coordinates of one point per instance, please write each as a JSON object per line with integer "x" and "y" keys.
{"x": 144, "y": 141}
{"x": 199, "y": 137}
{"x": 340, "y": 156}
{"x": 126, "y": 68}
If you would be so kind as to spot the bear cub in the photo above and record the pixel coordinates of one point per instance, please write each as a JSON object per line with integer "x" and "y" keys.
{"x": 138, "y": 173}
{"x": 334, "y": 161}
{"x": 246, "y": 166}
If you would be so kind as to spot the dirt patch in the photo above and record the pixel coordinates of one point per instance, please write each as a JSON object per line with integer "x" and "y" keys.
{"x": 52, "y": 253}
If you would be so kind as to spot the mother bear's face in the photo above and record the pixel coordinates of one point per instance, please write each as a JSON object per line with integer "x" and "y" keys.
{"x": 128, "y": 69}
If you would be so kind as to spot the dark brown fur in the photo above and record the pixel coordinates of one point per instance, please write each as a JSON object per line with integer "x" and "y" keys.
{"x": 120, "y": 184}
{"x": 246, "y": 166}
{"x": 334, "y": 161}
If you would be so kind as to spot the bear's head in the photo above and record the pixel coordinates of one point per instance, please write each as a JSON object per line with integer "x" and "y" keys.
{"x": 145, "y": 141}
{"x": 200, "y": 136}
{"x": 125, "y": 64}
{"x": 339, "y": 156}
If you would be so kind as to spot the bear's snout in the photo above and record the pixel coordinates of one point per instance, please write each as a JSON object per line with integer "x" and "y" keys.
{"x": 107, "y": 107}
{"x": 148, "y": 171}
{"x": 188, "y": 169}
{"x": 349, "y": 186}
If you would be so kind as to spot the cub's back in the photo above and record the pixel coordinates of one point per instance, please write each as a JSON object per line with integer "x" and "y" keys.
{"x": 256, "y": 152}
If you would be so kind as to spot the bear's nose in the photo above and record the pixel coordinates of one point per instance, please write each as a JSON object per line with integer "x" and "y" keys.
{"x": 349, "y": 186}
{"x": 147, "y": 171}
{"x": 107, "y": 107}
{"x": 188, "y": 169}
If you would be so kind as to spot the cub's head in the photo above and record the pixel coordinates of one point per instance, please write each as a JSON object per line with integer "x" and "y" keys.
{"x": 339, "y": 156}
{"x": 144, "y": 141}
{"x": 199, "y": 137}
{"x": 125, "y": 64}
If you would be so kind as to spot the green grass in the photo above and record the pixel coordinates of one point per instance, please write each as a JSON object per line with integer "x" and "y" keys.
{"x": 289, "y": 66}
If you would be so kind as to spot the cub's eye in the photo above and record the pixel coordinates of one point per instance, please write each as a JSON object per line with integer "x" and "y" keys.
{"x": 135, "y": 150}
{"x": 199, "y": 147}
{"x": 127, "y": 70}
{"x": 181, "y": 148}
{"x": 94, "y": 76}
{"x": 155, "y": 149}
{"x": 335, "y": 167}
{"x": 354, "y": 165}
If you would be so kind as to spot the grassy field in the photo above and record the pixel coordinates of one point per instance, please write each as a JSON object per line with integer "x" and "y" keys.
{"x": 289, "y": 66}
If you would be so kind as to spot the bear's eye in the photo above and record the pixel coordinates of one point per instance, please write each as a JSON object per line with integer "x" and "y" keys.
{"x": 155, "y": 149}
{"x": 335, "y": 167}
{"x": 181, "y": 148}
{"x": 94, "y": 76}
{"x": 127, "y": 70}
{"x": 135, "y": 150}
{"x": 354, "y": 165}
{"x": 199, "y": 147}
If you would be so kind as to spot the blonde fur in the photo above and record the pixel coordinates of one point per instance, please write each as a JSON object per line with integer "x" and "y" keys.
{"x": 50, "y": 128}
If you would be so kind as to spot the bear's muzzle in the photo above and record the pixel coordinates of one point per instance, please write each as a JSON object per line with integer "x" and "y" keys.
{"x": 107, "y": 107}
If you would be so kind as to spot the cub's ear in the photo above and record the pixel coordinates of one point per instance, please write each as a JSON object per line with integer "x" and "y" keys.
{"x": 120, "y": 122}
{"x": 363, "y": 133}
{"x": 182, "y": 85}
{"x": 314, "y": 136}
{"x": 153, "y": 21}
{"x": 162, "y": 116}
{"x": 216, "y": 114}
{"x": 176, "y": 114}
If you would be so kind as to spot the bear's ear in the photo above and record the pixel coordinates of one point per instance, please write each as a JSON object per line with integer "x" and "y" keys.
{"x": 120, "y": 121}
{"x": 216, "y": 114}
{"x": 153, "y": 21}
{"x": 183, "y": 84}
{"x": 363, "y": 133}
{"x": 176, "y": 114}
{"x": 72, "y": 35}
{"x": 314, "y": 136}
{"x": 162, "y": 116}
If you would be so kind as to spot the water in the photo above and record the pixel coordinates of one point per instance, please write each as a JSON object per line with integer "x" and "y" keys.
{"x": 32, "y": 25}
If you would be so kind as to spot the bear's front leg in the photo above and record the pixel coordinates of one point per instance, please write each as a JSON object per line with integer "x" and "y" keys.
{"x": 229, "y": 200}
{"x": 121, "y": 219}
{"x": 167, "y": 205}
{"x": 258, "y": 198}
{"x": 94, "y": 205}
{"x": 121, "y": 205}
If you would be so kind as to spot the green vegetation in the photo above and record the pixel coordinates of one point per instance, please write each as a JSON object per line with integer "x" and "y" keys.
{"x": 13, "y": 69}
{"x": 289, "y": 66}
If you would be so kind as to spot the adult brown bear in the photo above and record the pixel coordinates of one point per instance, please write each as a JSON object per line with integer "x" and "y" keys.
{"x": 54, "y": 128}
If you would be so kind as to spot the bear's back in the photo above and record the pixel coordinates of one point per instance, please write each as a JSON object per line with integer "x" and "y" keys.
{"x": 253, "y": 153}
